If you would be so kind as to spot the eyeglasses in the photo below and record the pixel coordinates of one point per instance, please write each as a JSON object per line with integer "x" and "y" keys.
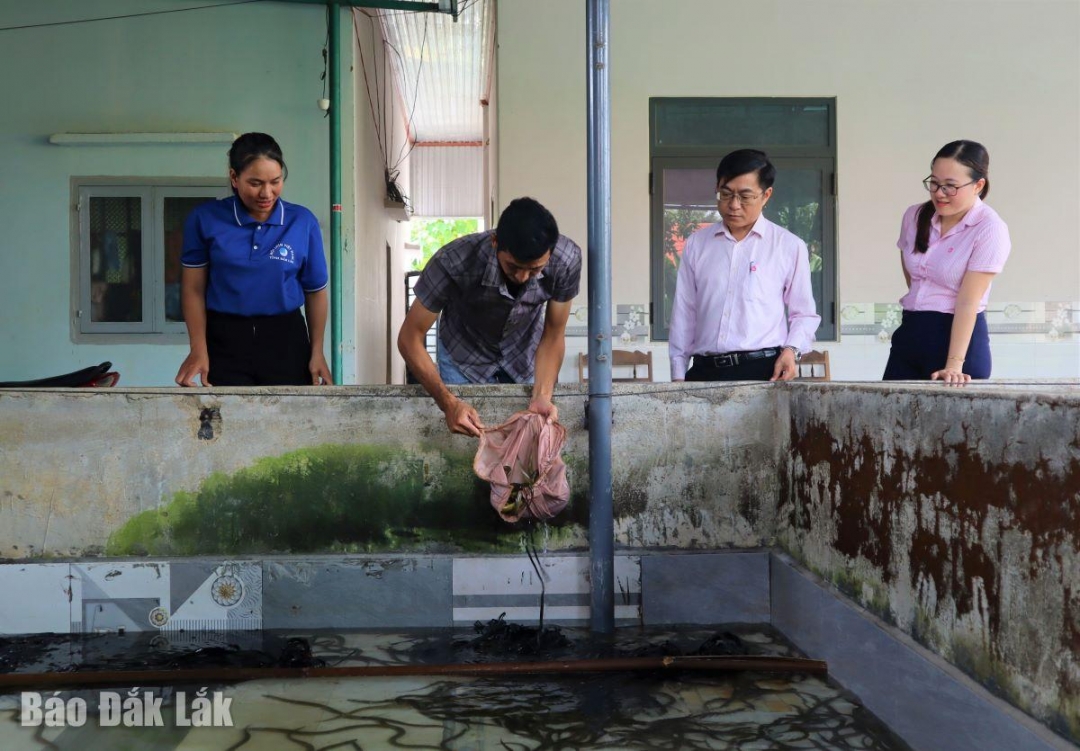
{"x": 744, "y": 196}
{"x": 949, "y": 190}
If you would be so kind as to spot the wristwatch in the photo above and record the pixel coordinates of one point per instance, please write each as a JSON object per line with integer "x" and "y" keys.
{"x": 795, "y": 351}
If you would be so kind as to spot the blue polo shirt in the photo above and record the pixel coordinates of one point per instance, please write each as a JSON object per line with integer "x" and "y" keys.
{"x": 255, "y": 268}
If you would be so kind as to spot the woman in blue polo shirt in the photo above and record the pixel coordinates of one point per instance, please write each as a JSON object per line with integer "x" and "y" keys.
{"x": 251, "y": 261}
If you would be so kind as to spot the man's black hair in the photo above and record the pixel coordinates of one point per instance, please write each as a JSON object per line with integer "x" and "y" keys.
{"x": 526, "y": 230}
{"x": 745, "y": 161}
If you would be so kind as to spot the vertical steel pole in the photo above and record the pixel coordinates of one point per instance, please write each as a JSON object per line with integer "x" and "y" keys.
{"x": 601, "y": 521}
{"x": 335, "y": 189}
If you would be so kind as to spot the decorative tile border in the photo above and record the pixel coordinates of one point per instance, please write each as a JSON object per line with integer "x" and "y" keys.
{"x": 1053, "y": 320}
{"x": 196, "y": 595}
{"x": 92, "y": 597}
{"x": 485, "y": 588}
{"x": 1056, "y": 321}
{"x": 630, "y": 325}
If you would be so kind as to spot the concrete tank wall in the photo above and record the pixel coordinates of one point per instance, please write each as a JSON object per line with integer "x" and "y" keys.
{"x": 369, "y": 469}
{"x": 954, "y": 514}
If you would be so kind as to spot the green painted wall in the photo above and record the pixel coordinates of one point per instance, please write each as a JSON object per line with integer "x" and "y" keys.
{"x": 255, "y": 66}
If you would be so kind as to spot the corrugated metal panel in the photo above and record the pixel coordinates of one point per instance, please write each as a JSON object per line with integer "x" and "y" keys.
{"x": 447, "y": 180}
{"x": 442, "y": 69}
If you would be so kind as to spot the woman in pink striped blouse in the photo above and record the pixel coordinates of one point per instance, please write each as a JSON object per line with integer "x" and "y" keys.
{"x": 950, "y": 247}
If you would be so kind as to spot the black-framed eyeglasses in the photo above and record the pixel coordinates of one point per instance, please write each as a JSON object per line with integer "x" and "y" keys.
{"x": 933, "y": 186}
{"x": 744, "y": 196}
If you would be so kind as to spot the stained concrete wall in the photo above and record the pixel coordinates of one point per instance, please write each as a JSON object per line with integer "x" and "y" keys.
{"x": 252, "y": 471}
{"x": 954, "y": 515}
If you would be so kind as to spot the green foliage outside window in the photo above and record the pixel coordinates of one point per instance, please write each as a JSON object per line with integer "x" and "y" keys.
{"x": 805, "y": 222}
{"x": 432, "y": 234}
{"x": 679, "y": 224}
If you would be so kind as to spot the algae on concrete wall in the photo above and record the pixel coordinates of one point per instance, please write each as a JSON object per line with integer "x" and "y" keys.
{"x": 327, "y": 499}
{"x": 692, "y": 466}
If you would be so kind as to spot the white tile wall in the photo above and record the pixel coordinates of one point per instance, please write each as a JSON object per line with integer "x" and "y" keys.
{"x": 37, "y": 598}
{"x": 485, "y": 580}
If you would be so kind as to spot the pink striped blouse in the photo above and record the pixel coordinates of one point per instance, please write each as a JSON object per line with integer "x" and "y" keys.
{"x": 979, "y": 242}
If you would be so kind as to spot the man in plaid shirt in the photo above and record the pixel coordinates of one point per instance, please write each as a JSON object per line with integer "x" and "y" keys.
{"x": 505, "y": 298}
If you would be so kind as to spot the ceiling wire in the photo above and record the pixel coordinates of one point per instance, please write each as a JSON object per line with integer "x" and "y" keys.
{"x": 379, "y": 114}
{"x": 126, "y": 15}
{"x": 380, "y": 97}
{"x": 367, "y": 88}
{"x": 416, "y": 96}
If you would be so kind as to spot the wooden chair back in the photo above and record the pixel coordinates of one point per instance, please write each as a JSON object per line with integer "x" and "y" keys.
{"x": 814, "y": 366}
{"x": 640, "y": 364}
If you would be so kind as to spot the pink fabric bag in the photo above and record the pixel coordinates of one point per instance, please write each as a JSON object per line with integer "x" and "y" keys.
{"x": 522, "y": 460}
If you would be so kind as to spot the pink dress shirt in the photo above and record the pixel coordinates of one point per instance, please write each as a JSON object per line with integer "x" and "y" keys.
{"x": 978, "y": 242}
{"x": 730, "y": 296}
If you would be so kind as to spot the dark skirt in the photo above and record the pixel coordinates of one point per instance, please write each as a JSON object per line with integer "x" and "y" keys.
{"x": 921, "y": 345}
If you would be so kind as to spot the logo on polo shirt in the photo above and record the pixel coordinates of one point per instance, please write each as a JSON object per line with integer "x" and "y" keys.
{"x": 283, "y": 252}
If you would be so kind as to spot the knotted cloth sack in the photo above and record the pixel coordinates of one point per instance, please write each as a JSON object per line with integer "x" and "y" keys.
{"x": 522, "y": 460}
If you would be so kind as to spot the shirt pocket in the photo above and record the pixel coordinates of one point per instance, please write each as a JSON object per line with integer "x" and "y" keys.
{"x": 764, "y": 283}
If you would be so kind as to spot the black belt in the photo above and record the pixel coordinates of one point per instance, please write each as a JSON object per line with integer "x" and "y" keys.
{"x": 731, "y": 359}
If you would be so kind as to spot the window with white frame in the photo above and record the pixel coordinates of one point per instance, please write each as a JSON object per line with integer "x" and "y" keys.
{"x": 130, "y": 237}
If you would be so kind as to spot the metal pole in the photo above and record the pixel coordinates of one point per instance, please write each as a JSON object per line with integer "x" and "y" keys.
{"x": 601, "y": 521}
{"x": 335, "y": 190}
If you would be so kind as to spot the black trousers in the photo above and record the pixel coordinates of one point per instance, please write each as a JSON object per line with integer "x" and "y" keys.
{"x": 921, "y": 345}
{"x": 258, "y": 350}
{"x": 702, "y": 369}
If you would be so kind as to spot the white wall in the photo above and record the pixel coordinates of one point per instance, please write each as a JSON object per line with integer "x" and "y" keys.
{"x": 908, "y": 75}
{"x": 227, "y": 69}
{"x": 377, "y": 280}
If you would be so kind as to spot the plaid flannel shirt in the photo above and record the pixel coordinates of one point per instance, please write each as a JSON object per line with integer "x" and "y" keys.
{"x": 484, "y": 327}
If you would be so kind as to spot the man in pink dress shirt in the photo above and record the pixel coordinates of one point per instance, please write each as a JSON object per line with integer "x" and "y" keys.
{"x": 736, "y": 279}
